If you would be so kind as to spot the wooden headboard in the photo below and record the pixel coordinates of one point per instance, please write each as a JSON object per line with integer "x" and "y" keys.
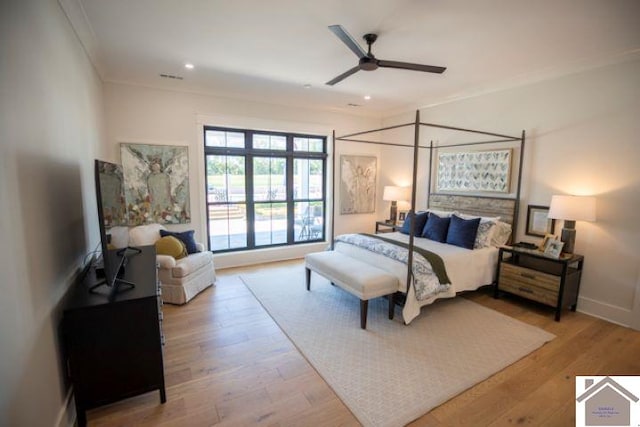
{"x": 476, "y": 205}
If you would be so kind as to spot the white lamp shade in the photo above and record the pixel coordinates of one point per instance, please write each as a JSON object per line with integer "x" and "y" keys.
{"x": 573, "y": 208}
{"x": 394, "y": 194}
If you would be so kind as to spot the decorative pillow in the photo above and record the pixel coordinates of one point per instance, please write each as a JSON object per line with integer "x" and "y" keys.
{"x": 421, "y": 220}
{"x": 462, "y": 232}
{"x": 169, "y": 245}
{"x": 501, "y": 234}
{"x": 436, "y": 228}
{"x": 185, "y": 237}
{"x": 484, "y": 234}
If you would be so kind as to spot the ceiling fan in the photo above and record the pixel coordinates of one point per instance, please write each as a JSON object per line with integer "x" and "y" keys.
{"x": 368, "y": 62}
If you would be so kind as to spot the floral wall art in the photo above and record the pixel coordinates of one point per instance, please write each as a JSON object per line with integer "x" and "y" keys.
{"x": 474, "y": 171}
{"x": 357, "y": 184}
{"x": 156, "y": 183}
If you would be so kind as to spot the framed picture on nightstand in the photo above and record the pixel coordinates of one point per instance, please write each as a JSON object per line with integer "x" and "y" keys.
{"x": 553, "y": 248}
{"x": 538, "y": 221}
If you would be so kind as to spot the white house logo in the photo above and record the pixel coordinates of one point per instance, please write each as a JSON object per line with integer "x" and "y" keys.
{"x": 607, "y": 401}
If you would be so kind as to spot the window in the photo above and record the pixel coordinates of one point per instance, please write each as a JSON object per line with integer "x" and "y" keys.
{"x": 263, "y": 188}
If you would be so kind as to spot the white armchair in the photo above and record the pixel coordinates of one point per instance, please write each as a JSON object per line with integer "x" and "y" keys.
{"x": 181, "y": 279}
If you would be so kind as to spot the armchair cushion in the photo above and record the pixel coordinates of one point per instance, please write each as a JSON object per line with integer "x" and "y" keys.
{"x": 193, "y": 262}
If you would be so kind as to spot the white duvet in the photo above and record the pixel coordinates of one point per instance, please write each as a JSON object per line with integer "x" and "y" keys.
{"x": 467, "y": 269}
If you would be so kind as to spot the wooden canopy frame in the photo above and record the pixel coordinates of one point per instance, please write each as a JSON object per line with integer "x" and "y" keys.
{"x": 417, "y": 124}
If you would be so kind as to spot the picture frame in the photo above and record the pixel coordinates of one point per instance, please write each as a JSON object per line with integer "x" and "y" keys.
{"x": 474, "y": 171}
{"x": 553, "y": 248}
{"x": 358, "y": 176}
{"x": 546, "y": 238}
{"x": 402, "y": 215}
{"x": 538, "y": 222}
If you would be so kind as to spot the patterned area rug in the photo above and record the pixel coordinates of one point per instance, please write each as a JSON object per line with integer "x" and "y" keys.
{"x": 391, "y": 374}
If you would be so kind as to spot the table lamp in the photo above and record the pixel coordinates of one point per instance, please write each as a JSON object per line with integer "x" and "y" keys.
{"x": 571, "y": 209}
{"x": 394, "y": 194}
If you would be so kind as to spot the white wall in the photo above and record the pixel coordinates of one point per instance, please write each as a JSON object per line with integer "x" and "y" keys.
{"x": 147, "y": 115}
{"x": 50, "y": 126}
{"x": 582, "y": 138}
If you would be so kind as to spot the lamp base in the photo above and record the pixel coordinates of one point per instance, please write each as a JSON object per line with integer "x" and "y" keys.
{"x": 393, "y": 213}
{"x": 568, "y": 236}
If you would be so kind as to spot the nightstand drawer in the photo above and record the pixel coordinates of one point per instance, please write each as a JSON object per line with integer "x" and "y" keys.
{"x": 527, "y": 276}
{"x": 531, "y": 292}
{"x": 530, "y": 284}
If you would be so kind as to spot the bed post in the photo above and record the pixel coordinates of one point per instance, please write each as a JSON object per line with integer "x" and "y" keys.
{"x": 430, "y": 173}
{"x": 413, "y": 197}
{"x": 516, "y": 210}
{"x": 333, "y": 188}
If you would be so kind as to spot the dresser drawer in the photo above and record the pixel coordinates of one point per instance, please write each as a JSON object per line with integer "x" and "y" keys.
{"x": 530, "y": 284}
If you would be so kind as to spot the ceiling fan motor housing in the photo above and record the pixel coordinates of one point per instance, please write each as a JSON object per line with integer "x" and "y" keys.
{"x": 368, "y": 63}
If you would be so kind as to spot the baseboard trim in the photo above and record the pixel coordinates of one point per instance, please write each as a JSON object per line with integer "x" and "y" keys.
{"x": 259, "y": 256}
{"x": 611, "y": 313}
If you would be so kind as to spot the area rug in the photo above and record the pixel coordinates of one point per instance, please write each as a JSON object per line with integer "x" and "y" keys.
{"x": 391, "y": 373}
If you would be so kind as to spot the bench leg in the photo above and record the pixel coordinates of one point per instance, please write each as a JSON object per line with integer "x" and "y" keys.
{"x": 392, "y": 305}
{"x": 308, "y": 277}
{"x": 364, "y": 304}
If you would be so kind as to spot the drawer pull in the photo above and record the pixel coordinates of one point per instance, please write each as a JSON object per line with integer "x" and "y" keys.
{"x": 528, "y": 276}
{"x": 525, "y": 290}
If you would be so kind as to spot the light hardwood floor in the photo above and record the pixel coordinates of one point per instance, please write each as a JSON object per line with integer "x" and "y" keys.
{"x": 227, "y": 363}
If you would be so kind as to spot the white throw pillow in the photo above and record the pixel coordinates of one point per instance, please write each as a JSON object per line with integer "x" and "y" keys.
{"x": 144, "y": 235}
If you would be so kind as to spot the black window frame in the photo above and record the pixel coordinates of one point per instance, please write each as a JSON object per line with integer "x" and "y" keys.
{"x": 249, "y": 153}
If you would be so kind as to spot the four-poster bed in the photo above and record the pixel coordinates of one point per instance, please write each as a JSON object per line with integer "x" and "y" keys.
{"x": 467, "y": 269}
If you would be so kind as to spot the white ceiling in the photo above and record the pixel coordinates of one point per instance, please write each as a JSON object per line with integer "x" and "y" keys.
{"x": 267, "y": 50}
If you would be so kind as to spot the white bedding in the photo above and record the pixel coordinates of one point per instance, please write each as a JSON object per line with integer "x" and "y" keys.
{"x": 467, "y": 269}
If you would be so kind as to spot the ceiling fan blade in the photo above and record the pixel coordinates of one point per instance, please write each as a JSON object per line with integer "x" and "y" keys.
{"x": 348, "y": 40}
{"x": 409, "y": 66}
{"x": 343, "y": 75}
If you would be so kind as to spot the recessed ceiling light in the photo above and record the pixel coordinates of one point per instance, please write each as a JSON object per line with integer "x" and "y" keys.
{"x": 307, "y": 86}
{"x": 188, "y": 66}
{"x": 367, "y": 97}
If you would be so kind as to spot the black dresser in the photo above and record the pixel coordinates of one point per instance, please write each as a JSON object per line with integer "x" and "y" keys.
{"x": 113, "y": 346}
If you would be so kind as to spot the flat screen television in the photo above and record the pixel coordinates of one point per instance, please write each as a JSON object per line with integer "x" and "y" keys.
{"x": 111, "y": 213}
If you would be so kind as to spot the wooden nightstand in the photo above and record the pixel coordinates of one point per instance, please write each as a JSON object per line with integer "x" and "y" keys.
{"x": 532, "y": 275}
{"x": 389, "y": 227}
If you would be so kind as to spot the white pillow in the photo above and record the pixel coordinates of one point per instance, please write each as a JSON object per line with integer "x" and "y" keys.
{"x": 144, "y": 235}
{"x": 119, "y": 237}
{"x": 482, "y": 218}
{"x": 443, "y": 214}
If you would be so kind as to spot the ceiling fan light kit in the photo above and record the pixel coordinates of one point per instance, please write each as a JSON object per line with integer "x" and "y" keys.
{"x": 368, "y": 62}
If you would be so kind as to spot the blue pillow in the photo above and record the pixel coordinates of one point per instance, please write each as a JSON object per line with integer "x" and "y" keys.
{"x": 462, "y": 232}
{"x": 185, "y": 237}
{"x": 421, "y": 219}
{"x": 436, "y": 228}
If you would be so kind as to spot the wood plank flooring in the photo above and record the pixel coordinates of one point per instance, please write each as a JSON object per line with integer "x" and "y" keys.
{"x": 227, "y": 363}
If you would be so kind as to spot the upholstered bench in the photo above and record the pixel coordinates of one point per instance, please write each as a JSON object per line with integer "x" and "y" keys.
{"x": 354, "y": 276}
